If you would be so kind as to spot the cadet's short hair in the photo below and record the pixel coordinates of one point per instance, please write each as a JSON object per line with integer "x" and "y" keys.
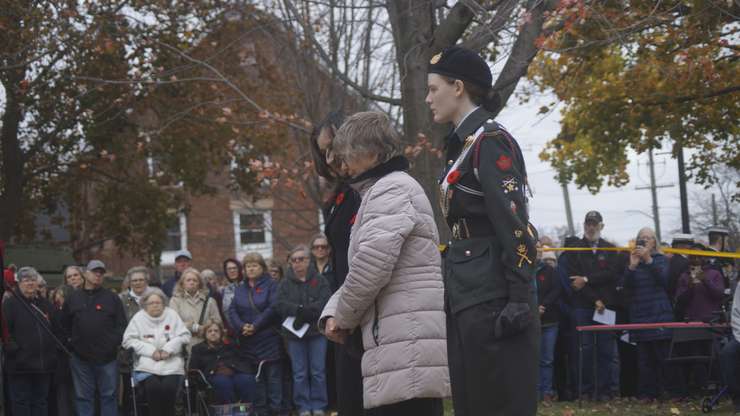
{"x": 368, "y": 133}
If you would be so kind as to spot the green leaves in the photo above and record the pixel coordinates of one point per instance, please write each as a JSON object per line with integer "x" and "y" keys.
{"x": 632, "y": 78}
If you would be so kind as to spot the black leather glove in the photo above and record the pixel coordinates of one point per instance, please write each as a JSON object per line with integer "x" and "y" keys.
{"x": 513, "y": 319}
{"x": 299, "y": 319}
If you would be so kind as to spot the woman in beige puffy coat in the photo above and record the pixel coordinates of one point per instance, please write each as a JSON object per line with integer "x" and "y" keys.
{"x": 191, "y": 301}
{"x": 393, "y": 292}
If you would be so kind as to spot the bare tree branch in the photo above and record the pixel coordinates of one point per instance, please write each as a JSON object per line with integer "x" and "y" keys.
{"x": 308, "y": 31}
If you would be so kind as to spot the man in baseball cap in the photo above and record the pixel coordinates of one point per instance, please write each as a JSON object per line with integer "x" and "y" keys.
{"x": 183, "y": 260}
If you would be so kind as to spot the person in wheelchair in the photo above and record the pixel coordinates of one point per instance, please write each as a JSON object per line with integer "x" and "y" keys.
{"x": 232, "y": 378}
{"x": 157, "y": 335}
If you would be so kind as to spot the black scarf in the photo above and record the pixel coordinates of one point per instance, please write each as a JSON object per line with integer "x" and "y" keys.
{"x": 397, "y": 163}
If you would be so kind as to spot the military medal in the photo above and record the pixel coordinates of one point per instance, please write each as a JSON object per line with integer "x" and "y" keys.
{"x": 521, "y": 251}
{"x": 509, "y": 184}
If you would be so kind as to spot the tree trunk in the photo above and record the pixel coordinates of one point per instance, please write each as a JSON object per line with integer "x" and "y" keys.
{"x": 413, "y": 30}
{"x": 11, "y": 196}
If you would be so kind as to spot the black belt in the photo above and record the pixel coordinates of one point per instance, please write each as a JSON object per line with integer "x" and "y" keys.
{"x": 464, "y": 228}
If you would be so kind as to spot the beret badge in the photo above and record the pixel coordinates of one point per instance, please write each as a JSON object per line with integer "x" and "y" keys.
{"x": 435, "y": 58}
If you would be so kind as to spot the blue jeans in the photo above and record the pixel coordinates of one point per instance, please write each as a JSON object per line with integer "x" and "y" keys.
{"x": 308, "y": 357}
{"x": 239, "y": 387}
{"x": 729, "y": 359}
{"x": 87, "y": 378}
{"x": 269, "y": 394}
{"x": 28, "y": 393}
{"x": 606, "y": 356}
{"x": 548, "y": 338}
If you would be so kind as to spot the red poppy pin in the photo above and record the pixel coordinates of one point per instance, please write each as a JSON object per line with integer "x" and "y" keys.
{"x": 541, "y": 277}
{"x": 453, "y": 177}
{"x": 166, "y": 327}
{"x": 352, "y": 220}
{"x": 313, "y": 283}
{"x": 98, "y": 307}
{"x": 339, "y": 199}
{"x": 503, "y": 162}
{"x": 257, "y": 290}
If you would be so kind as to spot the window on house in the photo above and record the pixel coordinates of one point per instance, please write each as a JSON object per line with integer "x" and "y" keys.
{"x": 253, "y": 232}
{"x": 176, "y": 239}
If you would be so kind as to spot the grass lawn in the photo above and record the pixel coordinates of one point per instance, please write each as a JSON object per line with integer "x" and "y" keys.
{"x": 622, "y": 408}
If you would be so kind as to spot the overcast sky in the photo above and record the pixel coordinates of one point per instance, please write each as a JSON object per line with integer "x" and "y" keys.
{"x": 618, "y": 206}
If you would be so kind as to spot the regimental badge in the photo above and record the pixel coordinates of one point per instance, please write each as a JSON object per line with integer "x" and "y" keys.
{"x": 521, "y": 251}
{"x": 510, "y": 184}
{"x": 469, "y": 140}
{"x": 435, "y": 58}
{"x": 503, "y": 163}
{"x": 518, "y": 233}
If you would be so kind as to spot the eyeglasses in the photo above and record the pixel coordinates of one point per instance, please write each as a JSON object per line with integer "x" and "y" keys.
{"x": 321, "y": 246}
{"x": 232, "y": 269}
{"x": 298, "y": 259}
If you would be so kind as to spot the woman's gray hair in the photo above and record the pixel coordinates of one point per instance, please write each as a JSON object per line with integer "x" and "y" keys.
{"x": 79, "y": 269}
{"x": 138, "y": 269}
{"x": 28, "y": 273}
{"x": 300, "y": 247}
{"x": 651, "y": 232}
{"x": 153, "y": 291}
{"x": 368, "y": 133}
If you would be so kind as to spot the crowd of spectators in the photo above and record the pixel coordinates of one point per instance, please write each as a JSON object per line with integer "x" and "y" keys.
{"x": 70, "y": 351}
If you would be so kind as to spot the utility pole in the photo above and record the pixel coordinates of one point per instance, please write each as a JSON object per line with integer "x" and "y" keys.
{"x": 568, "y": 211}
{"x": 685, "y": 227}
{"x": 714, "y": 211}
{"x": 654, "y": 192}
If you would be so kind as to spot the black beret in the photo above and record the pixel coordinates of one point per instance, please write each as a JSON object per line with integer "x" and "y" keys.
{"x": 462, "y": 64}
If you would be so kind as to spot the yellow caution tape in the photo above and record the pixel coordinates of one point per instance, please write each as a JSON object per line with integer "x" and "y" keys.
{"x": 686, "y": 251}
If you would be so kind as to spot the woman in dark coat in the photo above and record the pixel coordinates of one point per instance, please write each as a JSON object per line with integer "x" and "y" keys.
{"x": 646, "y": 281}
{"x": 339, "y": 213}
{"x": 254, "y": 317}
{"x": 492, "y": 318}
{"x": 302, "y": 296}
{"x": 231, "y": 377}
{"x": 30, "y": 348}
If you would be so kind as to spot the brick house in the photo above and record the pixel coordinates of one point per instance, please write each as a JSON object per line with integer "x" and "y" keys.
{"x": 227, "y": 224}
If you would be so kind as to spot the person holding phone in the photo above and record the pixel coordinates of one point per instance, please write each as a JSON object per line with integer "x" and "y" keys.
{"x": 646, "y": 279}
{"x": 700, "y": 292}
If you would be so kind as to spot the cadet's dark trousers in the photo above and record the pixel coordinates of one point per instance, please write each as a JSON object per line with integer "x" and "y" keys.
{"x": 491, "y": 376}
{"x": 349, "y": 382}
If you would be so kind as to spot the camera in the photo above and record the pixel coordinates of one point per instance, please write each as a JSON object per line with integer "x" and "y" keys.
{"x": 640, "y": 243}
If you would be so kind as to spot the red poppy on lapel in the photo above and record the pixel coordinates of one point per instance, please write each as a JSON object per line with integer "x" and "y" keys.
{"x": 257, "y": 290}
{"x": 453, "y": 177}
{"x": 313, "y": 282}
{"x": 339, "y": 199}
{"x": 98, "y": 307}
{"x": 541, "y": 277}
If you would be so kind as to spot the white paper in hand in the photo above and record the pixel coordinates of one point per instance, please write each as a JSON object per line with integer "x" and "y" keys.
{"x": 609, "y": 317}
{"x": 288, "y": 324}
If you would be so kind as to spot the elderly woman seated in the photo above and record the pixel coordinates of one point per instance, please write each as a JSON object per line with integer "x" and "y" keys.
{"x": 157, "y": 336}
{"x": 232, "y": 378}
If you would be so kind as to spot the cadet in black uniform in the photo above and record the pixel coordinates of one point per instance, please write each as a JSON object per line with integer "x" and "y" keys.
{"x": 492, "y": 323}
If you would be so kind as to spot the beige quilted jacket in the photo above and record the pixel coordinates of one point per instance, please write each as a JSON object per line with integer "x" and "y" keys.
{"x": 395, "y": 275}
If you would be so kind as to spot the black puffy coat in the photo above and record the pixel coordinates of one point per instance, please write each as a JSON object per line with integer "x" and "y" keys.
{"x": 206, "y": 359}
{"x": 29, "y": 348}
